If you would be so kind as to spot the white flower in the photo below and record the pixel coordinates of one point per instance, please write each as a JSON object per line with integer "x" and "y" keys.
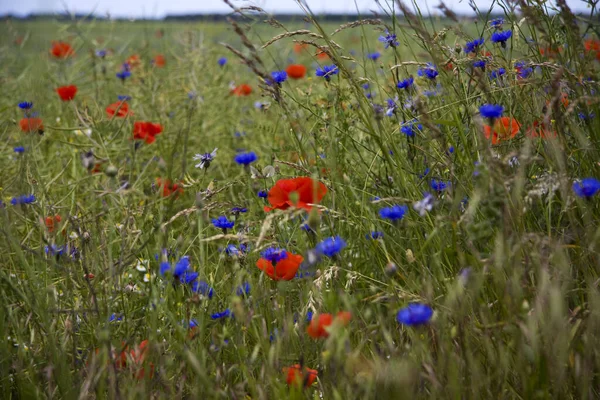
{"x": 142, "y": 265}
{"x": 205, "y": 159}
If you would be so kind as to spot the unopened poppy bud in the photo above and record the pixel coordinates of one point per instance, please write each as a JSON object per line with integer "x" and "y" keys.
{"x": 391, "y": 269}
{"x": 111, "y": 171}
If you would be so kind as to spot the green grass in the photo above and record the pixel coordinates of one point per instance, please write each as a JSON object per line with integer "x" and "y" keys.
{"x": 507, "y": 258}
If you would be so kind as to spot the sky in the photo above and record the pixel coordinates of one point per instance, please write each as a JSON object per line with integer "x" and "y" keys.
{"x": 160, "y": 8}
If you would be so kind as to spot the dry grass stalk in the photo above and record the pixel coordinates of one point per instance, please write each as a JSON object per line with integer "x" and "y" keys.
{"x": 359, "y": 23}
{"x": 290, "y": 34}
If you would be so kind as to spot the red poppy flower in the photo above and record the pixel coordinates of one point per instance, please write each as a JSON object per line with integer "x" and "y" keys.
{"x": 296, "y": 192}
{"x": 593, "y": 46}
{"x": 284, "y": 270}
{"x": 146, "y": 131}
{"x": 61, "y": 50}
{"x": 318, "y": 325}
{"x": 97, "y": 168}
{"x": 133, "y": 61}
{"x": 50, "y": 222}
{"x": 504, "y": 128}
{"x": 159, "y": 61}
{"x": 168, "y": 187}
{"x": 449, "y": 66}
{"x": 540, "y": 130}
{"x": 296, "y": 71}
{"x": 242, "y": 90}
{"x": 297, "y": 376}
{"x": 120, "y": 109}
{"x": 32, "y": 124}
{"x": 322, "y": 55}
{"x": 299, "y": 47}
{"x": 138, "y": 355}
{"x": 67, "y": 93}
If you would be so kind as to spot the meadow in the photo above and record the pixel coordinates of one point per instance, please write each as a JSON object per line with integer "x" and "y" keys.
{"x": 395, "y": 207}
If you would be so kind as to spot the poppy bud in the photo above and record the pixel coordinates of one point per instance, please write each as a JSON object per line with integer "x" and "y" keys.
{"x": 111, "y": 171}
{"x": 391, "y": 269}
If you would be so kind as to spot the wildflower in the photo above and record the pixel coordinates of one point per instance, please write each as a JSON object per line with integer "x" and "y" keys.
{"x": 222, "y": 61}
{"x": 414, "y": 314}
{"x": 146, "y": 131}
{"x": 298, "y": 376}
{"x": 497, "y": 73}
{"x": 203, "y": 288}
{"x": 389, "y": 39}
{"x": 61, "y": 50}
{"x": 479, "y": 64}
{"x": 123, "y": 74}
{"x": 406, "y": 83}
{"x": 540, "y": 130}
{"x": 241, "y": 90}
{"x": 246, "y": 158}
{"x": 223, "y": 223}
{"x": 497, "y": 23}
{"x": 25, "y": 105}
{"x": 319, "y": 326}
{"x": 119, "y": 109}
{"x": 411, "y": 128}
{"x": 327, "y": 71}
{"x": 501, "y": 37}
{"x": 262, "y": 194}
{"x": 394, "y": 213}
{"x": 169, "y": 188}
{"x": 587, "y": 187}
{"x": 375, "y": 235}
{"x": 524, "y": 73}
{"x": 331, "y": 246}
{"x": 222, "y": 314}
{"x": 32, "y": 124}
{"x": 54, "y": 250}
{"x": 279, "y": 267}
{"x": 101, "y": 53}
{"x": 23, "y": 199}
{"x": 50, "y": 221}
{"x": 472, "y": 47}
{"x": 296, "y": 71}
{"x": 205, "y": 159}
{"x": 243, "y": 290}
{"x": 439, "y": 186}
{"x": 504, "y": 128}
{"x": 491, "y": 111}
{"x": 19, "y": 149}
{"x": 430, "y": 71}
{"x": 374, "y": 56}
{"x": 159, "y": 61}
{"x": 299, "y": 47}
{"x": 179, "y": 269}
{"x": 277, "y": 77}
{"x": 67, "y": 93}
{"x": 239, "y": 210}
{"x": 424, "y": 205}
{"x": 274, "y": 255}
{"x": 298, "y": 192}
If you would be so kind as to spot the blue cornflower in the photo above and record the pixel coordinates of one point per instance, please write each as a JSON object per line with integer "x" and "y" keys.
{"x": 164, "y": 267}
{"x": 472, "y": 47}
{"x": 192, "y": 324}
{"x": 374, "y": 56}
{"x": 585, "y": 116}
{"x": 124, "y": 74}
{"x": 25, "y": 105}
{"x": 205, "y": 159}
{"x": 501, "y": 37}
{"x": 491, "y": 110}
{"x": 223, "y": 223}
{"x": 278, "y": 77}
{"x": 181, "y": 266}
{"x": 239, "y": 210}
{"x": 414, "y": 314}
{"x": 327, "y": 71}
{"x": 425, "y": 173}
{"x": 331, "y": 246}
{"x": 23, "y": 199}
{"x": 429, "y": 71}
{"x": 246, "y": 158}
{"x": 203, "y": 288}
{"x": 497, "y": 73}
{"x": 243, "y": 290}
{"x": 222, "y": 61}
{"x": 523, "y": 71}
{"x": 389, "y": 39}
{"x": 101, "y": 53}
{"x": 587, "y": 187}
{"x": 374, "y": 235}
{"x": 115, "y": 317}
{"x": 424, "y": 205}
{"x": 222, "y": 314}
{"x": 451, "y": 150}
{"x": 497, "y": 23}
{"x": 406, "y": 83}
{"x": 394, "y": 213}
{"x": 19, "y": 149}
{"x": 262, "y": 194}
{"x": 391, "y": 107}
{"x": 365, "y": 86}
{"x": 122, "y": 97}
{"x": 54, "y": 250}
{"x": 274, "y": 254}
{"x": 438, "y": 185}
{"x": 411, "y": 128}
{"x": 188, "y": 277}
{"x": 479, "y": 64}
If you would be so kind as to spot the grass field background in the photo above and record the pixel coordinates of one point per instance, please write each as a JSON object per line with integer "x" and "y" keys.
{"x": 506, "y": 256}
